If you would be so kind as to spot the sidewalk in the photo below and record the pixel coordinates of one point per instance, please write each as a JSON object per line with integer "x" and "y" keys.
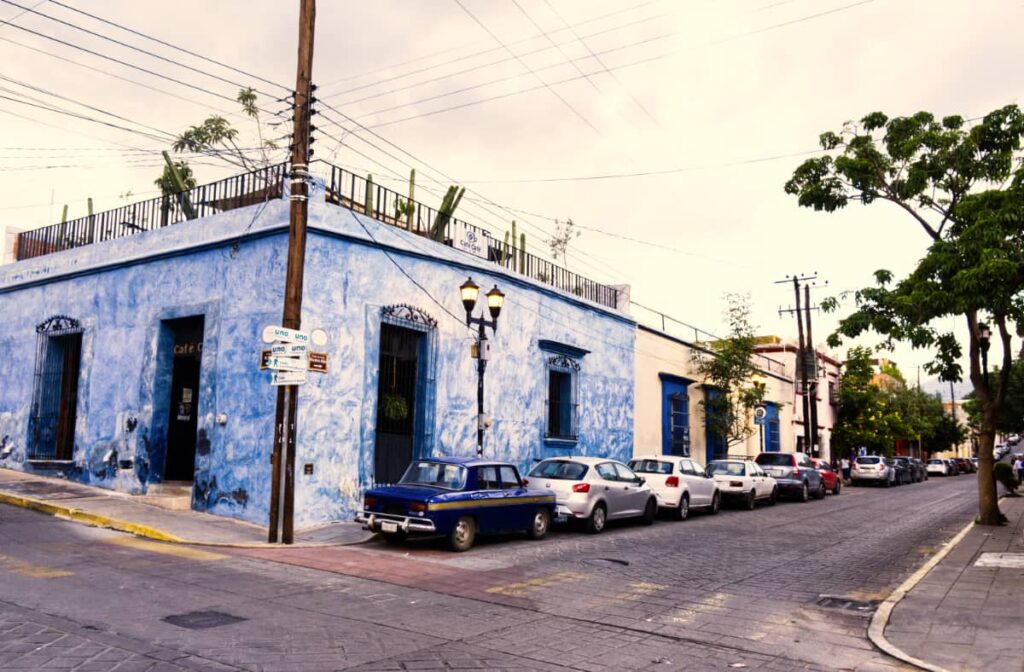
{"x": 967, "y": 613}
{"x": 117, "y": 511}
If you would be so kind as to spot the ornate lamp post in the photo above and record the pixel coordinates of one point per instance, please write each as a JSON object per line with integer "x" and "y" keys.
{"x": 984, "y": 337}
{"x": 495, "y": 300}
{"x": 760, "y": 381}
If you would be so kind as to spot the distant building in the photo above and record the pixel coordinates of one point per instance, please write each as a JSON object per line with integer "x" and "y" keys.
{"x": 967, "y": 447}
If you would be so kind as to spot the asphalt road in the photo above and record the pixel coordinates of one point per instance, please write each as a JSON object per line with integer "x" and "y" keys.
{"x": 740, "y": 590}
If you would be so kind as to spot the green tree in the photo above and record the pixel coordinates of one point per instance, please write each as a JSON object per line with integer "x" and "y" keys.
{"x": 1011, "y": 414}
{"x": 964, "y": 186}
{"x": 167, "y": 183}
{"x": 866, "y": 418}
{"x": 728, "y": 369}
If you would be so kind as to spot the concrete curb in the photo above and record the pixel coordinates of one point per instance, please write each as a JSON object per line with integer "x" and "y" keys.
{"x": 876, "y": 631}
{"x": 96, "y": 520}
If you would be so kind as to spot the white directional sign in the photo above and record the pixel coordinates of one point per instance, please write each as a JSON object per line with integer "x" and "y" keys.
{"x": 287, "y": 377}
{"x": 289, "y": 349}
{"x": 288, "y": 363}
{"x": 272, "y": 333}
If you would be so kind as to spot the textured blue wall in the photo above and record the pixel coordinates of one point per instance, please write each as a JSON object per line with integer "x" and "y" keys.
{"x": 230, "y": 268}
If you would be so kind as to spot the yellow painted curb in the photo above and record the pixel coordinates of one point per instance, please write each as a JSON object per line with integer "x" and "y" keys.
{"x": 876, "y": 631}
{"x": 93, "y": 519}
{"x": 97, "y": 520}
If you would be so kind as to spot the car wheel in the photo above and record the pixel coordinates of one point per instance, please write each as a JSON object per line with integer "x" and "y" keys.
{"x": 683, "y": 511}
{"x": 805, "y": 493}
{"x": 716, "y": 503}
{"x": 650, "y": 512}
{"x": 774, "y": 496}
{"x": 821, "y": 490}
{"x": 751, "y": 500}
{"x": 598, "y": 517}
{"x": 839, "y": 486}
{"x": 887, "y": 483}
{"x": 461, "y": 537}
{"x": 541, "y": 524}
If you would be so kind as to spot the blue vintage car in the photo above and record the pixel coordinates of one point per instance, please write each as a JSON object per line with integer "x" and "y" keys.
{"x": 457, "y": 497}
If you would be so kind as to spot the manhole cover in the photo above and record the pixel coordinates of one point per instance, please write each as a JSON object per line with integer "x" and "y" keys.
{"x": 846, "y": 604}
{"x": 201, "y": 620}
{"x": 604, "y": 562}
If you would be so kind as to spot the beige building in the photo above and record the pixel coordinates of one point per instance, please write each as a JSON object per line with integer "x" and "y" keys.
{"x": 668, "y": 393}
{"x": 965, "y": 448}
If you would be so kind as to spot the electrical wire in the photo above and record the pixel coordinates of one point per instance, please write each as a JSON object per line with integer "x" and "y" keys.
{"x": 172, "y": 46}
{"x": 557, "y": 46}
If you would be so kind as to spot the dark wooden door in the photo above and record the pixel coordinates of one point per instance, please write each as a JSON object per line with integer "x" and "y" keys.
{"x": 397, "y": 383}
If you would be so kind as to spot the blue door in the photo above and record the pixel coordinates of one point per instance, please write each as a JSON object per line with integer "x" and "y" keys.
{"x": 771, "y": 428}
{"x": 717, "y": 448}
{"x": 675, "y": 415}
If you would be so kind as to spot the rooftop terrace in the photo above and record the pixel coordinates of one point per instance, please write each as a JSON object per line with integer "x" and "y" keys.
{"x": 341, "y": 188}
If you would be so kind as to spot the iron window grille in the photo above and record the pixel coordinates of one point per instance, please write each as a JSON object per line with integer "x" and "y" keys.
{"x": 679, "y": 424}
{"x": 563, "y": 398}
{"x": 55, "y": 394}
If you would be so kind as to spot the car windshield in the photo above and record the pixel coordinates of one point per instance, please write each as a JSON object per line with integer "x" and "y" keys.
{"x": 775, "y": 460}
{"x": 726, "y": 468}
{"x": 934, "y": 461}
{"x": 560, "y": 469}
{"x": 435, "y": 475}
{"x": 650, "y": 466}
{"x": 868, "y": 460}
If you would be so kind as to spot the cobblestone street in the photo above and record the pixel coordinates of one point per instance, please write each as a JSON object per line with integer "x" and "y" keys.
{"x": 737, "y": 590}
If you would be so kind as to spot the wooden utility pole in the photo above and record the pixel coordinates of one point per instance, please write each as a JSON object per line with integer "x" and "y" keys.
{"x": 283, "y": 486}
{"x": 801, "y": 369}
{"x": 812, "y": 384}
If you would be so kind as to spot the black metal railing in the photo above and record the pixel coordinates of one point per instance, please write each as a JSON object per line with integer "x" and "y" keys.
{"x": 202, "y": 201}
{"x": 349, "y": 190}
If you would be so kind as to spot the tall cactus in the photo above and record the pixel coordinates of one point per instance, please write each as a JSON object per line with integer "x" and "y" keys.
{"x": 368, "y": 196}
{"x": 445, "y": 212}
{"x": 412, "y": 199}
{"x": 522, "y": 253}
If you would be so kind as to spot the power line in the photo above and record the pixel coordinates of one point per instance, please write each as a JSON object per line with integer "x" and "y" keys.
{"x": 555, "y": 45}
{"x": 172, "y": 46}
{"x": 525, "y": 65}
{"x": 131, "y": 46}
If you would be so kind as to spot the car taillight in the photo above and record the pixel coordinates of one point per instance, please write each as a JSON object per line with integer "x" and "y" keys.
{"x": 672, "y": 481}
{"x": 369, "y": 501}
{"x": 526, "y": 481}
{"x": 795, "y": 472}
{"x": 581, "y": 487}
{"x": 417, "y": 506}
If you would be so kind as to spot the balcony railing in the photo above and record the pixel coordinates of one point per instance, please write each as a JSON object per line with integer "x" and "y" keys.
{"x": 342, "y": 187}
{"x": 202, "y": 201}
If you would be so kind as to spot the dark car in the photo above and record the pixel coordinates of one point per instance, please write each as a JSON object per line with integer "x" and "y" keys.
{"x": 833, "y": 481}
{"x": 921, "y": 467}
{"x": 794, "y": 473}
{"x": 912, "y": 473}
{"x": 963, "y": 465}
{"x": 902, "y": 470}
{"x": 457, "y": 498}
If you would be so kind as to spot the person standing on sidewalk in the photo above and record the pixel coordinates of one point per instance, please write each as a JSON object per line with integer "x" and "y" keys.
{"x": 845, "y": 465}
{"x": 1018, "y": 468}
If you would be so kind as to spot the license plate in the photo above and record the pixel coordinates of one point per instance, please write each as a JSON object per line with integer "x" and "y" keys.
{"x": 388, "y": 526}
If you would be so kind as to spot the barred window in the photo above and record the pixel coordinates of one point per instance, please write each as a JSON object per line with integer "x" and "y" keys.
{"x": 55, "y": 393}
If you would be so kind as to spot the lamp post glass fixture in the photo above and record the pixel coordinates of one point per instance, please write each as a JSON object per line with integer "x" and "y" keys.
{"x": 760, "y": 381}
{"x": 984, "y": 337}
{"x": 495, "y": 300}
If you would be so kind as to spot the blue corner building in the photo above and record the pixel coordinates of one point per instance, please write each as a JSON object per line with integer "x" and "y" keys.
{"x": 133, "y": 351}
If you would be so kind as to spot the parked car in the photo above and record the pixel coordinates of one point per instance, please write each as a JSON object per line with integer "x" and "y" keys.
{"x": 458, "y": 498}
{"x": 921, "y": 469}
{"x": 974, "y": 464}
{"x": 794, "y": 473}
{"x": 954, "y": 469}
{"x": 872, "y": 469}
{"x": 963, "y": 464}
{"x": 594, "y": 490}
{"x": 1000, "y": 451}
{"x": 679, "y": 483}
{"x": 833, "y": 479}
{"x": 743, "y": 481}
{"x": 901, "y": 470}
{"x": 911, "y": 472}
{"x": 938, "y": 467}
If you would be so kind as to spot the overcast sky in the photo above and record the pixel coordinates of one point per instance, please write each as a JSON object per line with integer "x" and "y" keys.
{"x": 715, "y": 102}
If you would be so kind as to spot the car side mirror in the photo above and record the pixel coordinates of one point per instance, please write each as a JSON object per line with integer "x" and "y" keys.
{"x": 640, "y": 480}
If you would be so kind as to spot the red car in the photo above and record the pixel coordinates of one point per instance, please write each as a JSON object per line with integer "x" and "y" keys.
{"x": 833, "y": 481}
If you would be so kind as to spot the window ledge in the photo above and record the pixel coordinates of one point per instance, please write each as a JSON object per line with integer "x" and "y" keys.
{"x": 42, "y": 463}
{"x": 560, "y": 442}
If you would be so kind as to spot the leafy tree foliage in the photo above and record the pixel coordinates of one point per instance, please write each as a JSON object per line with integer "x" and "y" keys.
{"x": 729, "y": 370}
{"x": 167, "y": 183}
{"x": 964, "y": 186}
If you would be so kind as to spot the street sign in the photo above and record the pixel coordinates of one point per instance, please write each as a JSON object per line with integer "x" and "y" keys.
{"x": 288, "y": 378}
{"x": 289, "y": 349}
{"x": 318, "y": 362}
{"x": 264, "y": 357}
{"x": 272, "y": 333}
{"x": 288, "y": 363}
{"x": 760, "y": 413}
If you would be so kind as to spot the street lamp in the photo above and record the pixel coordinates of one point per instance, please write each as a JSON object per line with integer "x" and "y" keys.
{"x": 470, "y": 292}
{"x": 984, "y": 336}
{"x": 760, "y": 381}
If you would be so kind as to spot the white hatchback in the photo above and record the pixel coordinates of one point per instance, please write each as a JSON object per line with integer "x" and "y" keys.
{"x": 744, "y": 481}
{"x": 679, "y": 483}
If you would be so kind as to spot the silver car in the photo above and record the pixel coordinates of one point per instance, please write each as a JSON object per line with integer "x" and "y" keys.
{"x": 595, "y": 490}
{"x": 872, "y": 469}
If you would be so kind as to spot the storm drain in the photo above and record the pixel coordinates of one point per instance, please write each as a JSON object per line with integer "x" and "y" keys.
{"x": 605, "y": 562}
{"x": 862, "y": 607}
{"x": 202, "y": 620}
